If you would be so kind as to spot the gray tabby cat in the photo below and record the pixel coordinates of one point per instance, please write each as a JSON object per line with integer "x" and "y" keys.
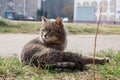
{"x": 49, "y": 47}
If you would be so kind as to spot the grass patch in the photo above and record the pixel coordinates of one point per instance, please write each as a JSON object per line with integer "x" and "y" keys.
{"x": 11, "y": 69}
{"x": 8, "y": 26}
{"x": 76, "y": 28}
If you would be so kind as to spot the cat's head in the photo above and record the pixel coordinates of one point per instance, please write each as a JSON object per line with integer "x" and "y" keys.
{"x": 52, "y": 30}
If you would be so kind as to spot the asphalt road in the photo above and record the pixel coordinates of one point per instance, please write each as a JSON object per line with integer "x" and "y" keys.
{"x": 11, "y": 44}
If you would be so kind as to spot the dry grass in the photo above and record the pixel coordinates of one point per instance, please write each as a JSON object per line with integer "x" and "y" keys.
{"x": 7, "y": 26}
{"x": 76, "y": 28}
{"x": 11, "y": 69}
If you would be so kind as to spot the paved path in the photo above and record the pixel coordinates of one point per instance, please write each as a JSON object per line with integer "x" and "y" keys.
{"x": 11, "y": 44}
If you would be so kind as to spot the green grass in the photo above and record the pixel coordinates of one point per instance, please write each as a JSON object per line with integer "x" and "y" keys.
{"x": 8, "y": 26}
{"x": 11, "y": 69}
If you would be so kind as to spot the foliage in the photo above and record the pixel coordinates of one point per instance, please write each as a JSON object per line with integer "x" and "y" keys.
{"x": 67, "y": 11}
{"x": 39, "y": 14}
{"x": 61, "y": 8}
{"x": 112, "y": 71}
{"x": 5, "y": 22}
{"x": 8, "y": 26}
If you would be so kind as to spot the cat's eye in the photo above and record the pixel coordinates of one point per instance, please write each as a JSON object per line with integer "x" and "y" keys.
{"x": 43, "y": 30}
{"x": 53, "y": 31}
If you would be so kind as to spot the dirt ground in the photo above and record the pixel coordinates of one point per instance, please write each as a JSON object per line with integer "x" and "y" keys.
{"x": 11, "y": 44}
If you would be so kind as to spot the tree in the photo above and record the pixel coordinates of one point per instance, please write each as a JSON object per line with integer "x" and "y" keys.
{"x": 68, "y": 10}
{"x": 39, "y": 14}
{"x": 62, "y": 8}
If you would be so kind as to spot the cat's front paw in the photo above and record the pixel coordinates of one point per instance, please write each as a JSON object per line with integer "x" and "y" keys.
{"x": 105, "y": 60}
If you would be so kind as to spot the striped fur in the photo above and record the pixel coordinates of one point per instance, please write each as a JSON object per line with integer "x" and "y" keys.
{"x": 49, "y": 47}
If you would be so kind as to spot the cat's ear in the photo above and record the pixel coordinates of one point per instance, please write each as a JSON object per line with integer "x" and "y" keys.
{"x": 58, "y": 20}
{"x": 44, "y": 19}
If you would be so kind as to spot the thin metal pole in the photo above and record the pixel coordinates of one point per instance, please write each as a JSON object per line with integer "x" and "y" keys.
{"x": 96, "y": 40}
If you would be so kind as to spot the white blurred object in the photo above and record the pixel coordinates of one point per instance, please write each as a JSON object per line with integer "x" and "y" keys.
{"x": 65, "y": 19}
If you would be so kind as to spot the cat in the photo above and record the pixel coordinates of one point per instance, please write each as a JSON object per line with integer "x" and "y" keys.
{"x": 48, "y": 49}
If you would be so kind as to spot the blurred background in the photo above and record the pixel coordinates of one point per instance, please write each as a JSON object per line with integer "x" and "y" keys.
{"x": 69, "y": 10}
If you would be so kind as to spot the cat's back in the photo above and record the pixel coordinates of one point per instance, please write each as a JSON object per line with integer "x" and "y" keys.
{"x": 32, "y": 44}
